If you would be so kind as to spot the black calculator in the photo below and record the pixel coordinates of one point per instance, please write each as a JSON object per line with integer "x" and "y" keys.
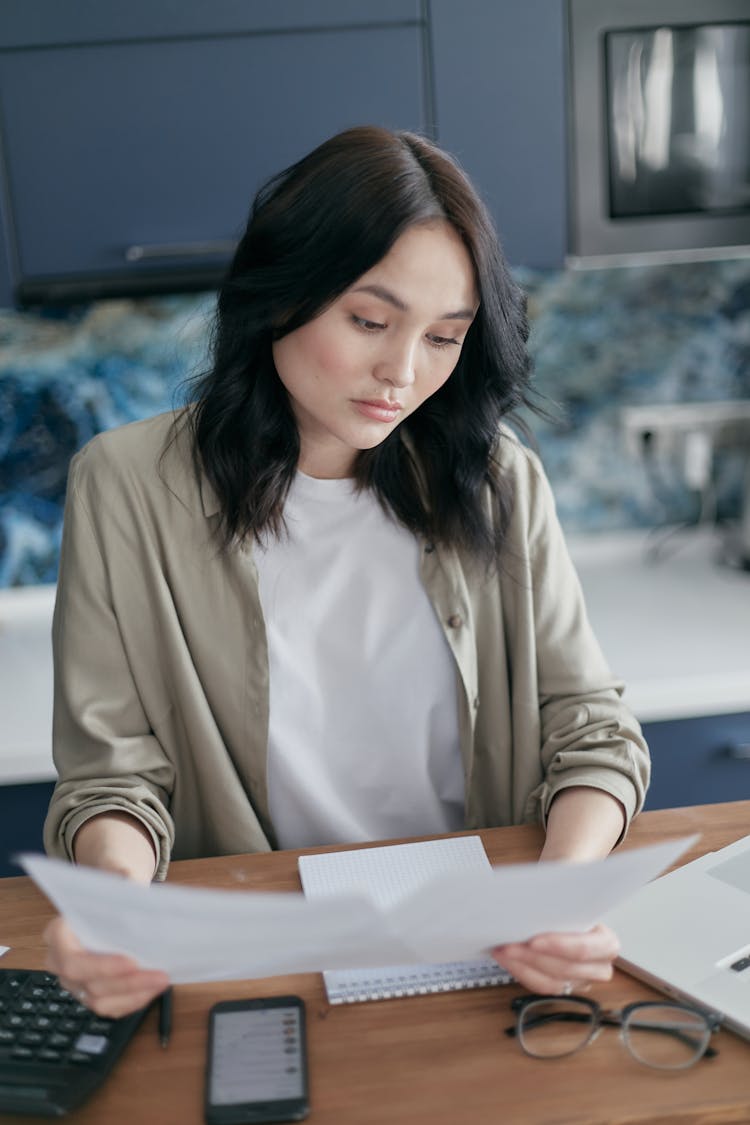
{"x": 54, "y": 1052}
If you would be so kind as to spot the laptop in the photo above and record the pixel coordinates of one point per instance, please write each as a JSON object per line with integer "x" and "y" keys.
{"x": 688, "y": 934}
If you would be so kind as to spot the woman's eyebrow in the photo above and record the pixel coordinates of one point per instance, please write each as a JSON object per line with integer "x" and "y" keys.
{"x": 386, "y": 295}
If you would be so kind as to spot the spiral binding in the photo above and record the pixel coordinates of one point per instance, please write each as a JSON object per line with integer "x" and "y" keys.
{"x": 453, "y": 976}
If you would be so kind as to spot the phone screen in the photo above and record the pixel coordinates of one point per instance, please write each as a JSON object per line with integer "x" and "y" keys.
{"x": 257, "y": 1067}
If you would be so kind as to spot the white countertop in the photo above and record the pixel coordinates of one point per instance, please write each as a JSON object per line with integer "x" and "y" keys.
{"x": 26, "y": 684}
{"x": 677, "y": 631}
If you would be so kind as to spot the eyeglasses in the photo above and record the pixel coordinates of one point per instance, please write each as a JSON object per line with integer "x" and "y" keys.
{"x": 668, "y": 1036}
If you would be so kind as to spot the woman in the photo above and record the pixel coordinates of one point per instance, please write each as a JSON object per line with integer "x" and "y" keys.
{"x": 330, "y": 601}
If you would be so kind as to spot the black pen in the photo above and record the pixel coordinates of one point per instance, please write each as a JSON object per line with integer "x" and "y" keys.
{"x": 165, "y": 1016}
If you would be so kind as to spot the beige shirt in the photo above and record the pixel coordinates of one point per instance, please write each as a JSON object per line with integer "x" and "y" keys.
{"x": 161, "y": 668}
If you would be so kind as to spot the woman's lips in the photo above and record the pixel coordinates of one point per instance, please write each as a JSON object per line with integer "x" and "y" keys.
{"x": 380, "y": 410}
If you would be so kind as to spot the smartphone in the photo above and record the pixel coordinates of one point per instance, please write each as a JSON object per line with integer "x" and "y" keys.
{"x": 256, "y": 1068}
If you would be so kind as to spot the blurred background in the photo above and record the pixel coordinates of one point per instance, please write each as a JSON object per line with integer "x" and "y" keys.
{"x": 611, "y": 142}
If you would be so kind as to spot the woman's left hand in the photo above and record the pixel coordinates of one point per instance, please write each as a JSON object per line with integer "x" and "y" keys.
{"x": 560, "y": 963}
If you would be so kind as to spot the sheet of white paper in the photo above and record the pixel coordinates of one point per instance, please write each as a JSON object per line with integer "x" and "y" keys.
{"x": 4, "y": 949}
{"x": 458, "y": 917}
{"x": 195, "y": 934}
{"x": 199, "y": 934}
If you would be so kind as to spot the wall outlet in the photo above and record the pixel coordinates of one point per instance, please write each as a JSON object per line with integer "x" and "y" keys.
{"x": 667, "y": 428}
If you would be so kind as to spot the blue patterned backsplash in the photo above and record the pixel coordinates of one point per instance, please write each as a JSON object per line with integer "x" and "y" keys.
{"x": 601, "y": 339}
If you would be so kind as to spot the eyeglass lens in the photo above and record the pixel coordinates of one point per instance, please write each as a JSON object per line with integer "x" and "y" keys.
{"x": 665, "y": 1036}
{"x": 549, "y": 1029}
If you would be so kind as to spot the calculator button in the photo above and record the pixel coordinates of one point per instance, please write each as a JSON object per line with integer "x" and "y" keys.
{"x": 30, "y": 1038}
{"x": 79, "y": 1057}
{"x": 22, "y": 1053}
{"x": 92, "y": 1044}
{"x": 57, "y": 1039}
{"x": 48, "y": 1055}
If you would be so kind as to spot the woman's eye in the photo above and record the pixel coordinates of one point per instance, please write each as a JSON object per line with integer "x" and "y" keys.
{"x": 442, "y": 341}
{"x": 367, "y": 325}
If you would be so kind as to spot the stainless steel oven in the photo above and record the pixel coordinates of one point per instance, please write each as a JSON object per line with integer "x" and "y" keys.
{"x": 659, "y": 120}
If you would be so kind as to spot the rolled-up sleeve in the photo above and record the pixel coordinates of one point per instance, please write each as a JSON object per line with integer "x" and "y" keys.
{"x": 105, "y": 751}
{"x": 593, "y": 741}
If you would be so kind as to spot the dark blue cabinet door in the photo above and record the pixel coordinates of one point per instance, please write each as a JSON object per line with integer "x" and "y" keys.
{"x": 699, "y": 761}
{"x": 162, "y": 144}
{"x": 499, "y": 76}
{"x": 148, "y": 127}
{"x": 22, "y": 812}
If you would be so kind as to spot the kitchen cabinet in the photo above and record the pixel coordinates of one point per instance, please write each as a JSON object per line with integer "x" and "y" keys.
{"x": 134, "y": 136}
{"x": 130, "y": 161}
{"x": 22, "y": 812}
{"x": 699, "y": 760}
{"x": 499, "y": 74}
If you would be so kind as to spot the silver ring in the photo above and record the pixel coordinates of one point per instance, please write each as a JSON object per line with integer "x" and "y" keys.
{"x": 81, "y": 995}
{"x": 567, "y": 988}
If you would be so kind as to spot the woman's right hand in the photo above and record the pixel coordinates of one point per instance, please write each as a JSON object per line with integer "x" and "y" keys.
{"x": 109, "y": 983}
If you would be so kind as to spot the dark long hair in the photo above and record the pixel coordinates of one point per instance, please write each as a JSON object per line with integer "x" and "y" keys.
{"x": 313, "y": 230}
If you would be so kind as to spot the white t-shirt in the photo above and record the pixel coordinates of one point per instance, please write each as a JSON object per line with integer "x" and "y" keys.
{"x": 363, "y": 732}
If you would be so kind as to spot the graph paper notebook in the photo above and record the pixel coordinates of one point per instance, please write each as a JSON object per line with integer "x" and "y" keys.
{"x": 385, "y": 875}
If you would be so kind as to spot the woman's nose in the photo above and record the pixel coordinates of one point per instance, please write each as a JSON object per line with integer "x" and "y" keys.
{"x": 397, "y": 365}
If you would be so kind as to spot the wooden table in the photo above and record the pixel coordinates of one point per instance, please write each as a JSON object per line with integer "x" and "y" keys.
{"x": 442, "y": 1060}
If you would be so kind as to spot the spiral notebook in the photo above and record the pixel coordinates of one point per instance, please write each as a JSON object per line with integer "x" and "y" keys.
{"x": 386, "y": 874}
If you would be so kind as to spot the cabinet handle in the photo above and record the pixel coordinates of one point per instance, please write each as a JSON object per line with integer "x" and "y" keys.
{"x": 137, "y": 253}
{"x": 738, "y": 751}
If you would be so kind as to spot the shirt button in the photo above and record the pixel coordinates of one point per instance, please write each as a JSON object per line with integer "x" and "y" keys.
{"x": 455, "y": 621}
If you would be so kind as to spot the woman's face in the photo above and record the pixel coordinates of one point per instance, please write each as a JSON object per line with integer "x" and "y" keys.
{"x": 384, "y": 346}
